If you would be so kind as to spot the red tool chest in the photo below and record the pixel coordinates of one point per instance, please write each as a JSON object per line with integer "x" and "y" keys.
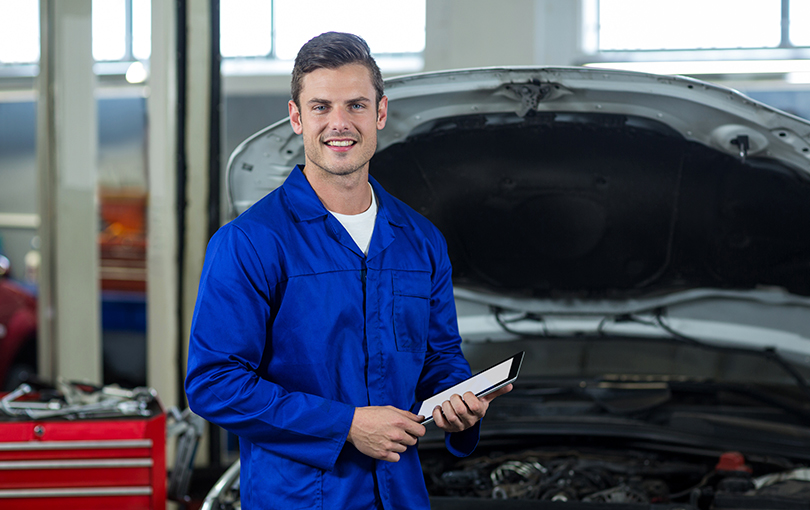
{"x": 88, "y": 464}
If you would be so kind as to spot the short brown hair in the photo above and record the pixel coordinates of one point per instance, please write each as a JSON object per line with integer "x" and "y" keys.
{"x": 331, "y": 50}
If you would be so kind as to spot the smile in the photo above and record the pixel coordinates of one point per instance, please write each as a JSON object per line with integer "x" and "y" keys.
{"x": 340, "y": 143}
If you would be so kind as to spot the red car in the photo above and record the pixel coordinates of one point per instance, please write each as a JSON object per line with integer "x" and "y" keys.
{"x": 18, "y": 330}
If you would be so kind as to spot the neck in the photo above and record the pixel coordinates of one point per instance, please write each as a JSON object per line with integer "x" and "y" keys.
{"x": 343, "y": 194}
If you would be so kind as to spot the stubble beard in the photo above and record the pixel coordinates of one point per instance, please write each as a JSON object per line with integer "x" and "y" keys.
{"x": 317, "y": 157}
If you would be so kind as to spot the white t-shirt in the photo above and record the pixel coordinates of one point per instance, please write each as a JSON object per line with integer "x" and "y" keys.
{"x": 360, "y": 226}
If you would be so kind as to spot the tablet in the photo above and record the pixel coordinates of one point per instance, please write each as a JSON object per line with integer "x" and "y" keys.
{"x": 483, "y": 383}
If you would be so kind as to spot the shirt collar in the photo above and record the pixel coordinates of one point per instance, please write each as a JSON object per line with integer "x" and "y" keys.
{"x": 306, "y": 205}
{"x": 304, "y": 202}
{"x": 384, "y": 201}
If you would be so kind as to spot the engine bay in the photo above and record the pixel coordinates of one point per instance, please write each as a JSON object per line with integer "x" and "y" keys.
{"x": 616, "y": 478}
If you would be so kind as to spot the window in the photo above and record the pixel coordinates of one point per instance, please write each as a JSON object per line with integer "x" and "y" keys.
{"x": 19, "y": 31}
{"x": 141, "y": 29}
{"x": 121, "y": 30}
{"x": 245, "y": 28}
{"x": 727, "y": 39}
{"x": 253, "y": 29}
{"x": 276, "y": 30}
{"x": 800, "y": 22}
{"x": 109, "y": 29}
{"x": 388, "y": 26}
{"x": 627, "y": 25}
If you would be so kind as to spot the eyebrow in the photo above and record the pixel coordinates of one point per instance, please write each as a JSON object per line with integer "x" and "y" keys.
{"x": 360, "y": 99}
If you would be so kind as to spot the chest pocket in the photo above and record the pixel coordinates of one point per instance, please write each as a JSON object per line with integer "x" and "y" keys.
{"x": 411, "y": 310}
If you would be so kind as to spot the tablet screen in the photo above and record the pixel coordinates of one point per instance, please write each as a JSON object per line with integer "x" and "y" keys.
{"x": 483, "y": 383}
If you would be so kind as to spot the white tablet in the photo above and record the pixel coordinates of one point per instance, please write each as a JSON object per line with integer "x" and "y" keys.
{"x": 483, "y": 383}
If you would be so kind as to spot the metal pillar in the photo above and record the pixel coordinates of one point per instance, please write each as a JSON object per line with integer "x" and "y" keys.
{"x": 162, "y": 257}
{"x": 67, "y": 145}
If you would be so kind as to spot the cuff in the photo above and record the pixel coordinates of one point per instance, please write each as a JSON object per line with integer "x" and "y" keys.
{"x": 461, "y": 444}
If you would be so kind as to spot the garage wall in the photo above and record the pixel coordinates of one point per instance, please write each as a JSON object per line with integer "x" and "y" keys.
{"x": 460, "y": 33}
{"x": 475, "y": 33}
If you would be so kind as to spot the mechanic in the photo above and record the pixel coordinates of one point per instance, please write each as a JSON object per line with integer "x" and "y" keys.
{"x": 325, "y": 312}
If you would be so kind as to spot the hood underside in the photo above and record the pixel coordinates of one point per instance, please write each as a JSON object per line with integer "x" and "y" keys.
{"x": 600, "y": 206}
{"x": 574, "y": 183}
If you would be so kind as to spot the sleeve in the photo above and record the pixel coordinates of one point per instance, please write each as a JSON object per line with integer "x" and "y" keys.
{"x": 228, "y": 345}
{"x": 445, "y": 364}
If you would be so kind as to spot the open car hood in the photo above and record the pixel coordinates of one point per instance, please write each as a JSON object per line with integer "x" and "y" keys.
{"x": 654, "y": 232}
{"x": 576, "y": 191}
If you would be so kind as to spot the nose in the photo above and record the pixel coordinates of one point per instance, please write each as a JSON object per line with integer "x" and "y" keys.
{"x": 339, "y": 120}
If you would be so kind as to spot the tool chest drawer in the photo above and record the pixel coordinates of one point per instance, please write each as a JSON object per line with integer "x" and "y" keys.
{"x": 86, "y": 464}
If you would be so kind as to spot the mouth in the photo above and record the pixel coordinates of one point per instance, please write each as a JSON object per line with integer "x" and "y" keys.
{"x": 340, "y": 143}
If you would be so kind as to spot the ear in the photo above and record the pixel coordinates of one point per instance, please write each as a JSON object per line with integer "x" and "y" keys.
{"x": 382, "y": 112}
{"x": 295, "y": 117}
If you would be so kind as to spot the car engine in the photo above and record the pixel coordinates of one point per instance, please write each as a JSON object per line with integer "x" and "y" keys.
{"x": 626, "y": 477}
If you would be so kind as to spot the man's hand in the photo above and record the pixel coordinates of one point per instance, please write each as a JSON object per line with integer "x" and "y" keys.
{"x": 384, "y": 432}
{"x": 460, "y": 413}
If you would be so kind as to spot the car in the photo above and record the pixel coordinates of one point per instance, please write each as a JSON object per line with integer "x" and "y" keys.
{"x": 645, "y": 239}
{"x": 18, "y": 330}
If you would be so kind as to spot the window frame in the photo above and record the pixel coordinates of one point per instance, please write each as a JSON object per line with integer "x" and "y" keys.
{"x": 270, "y": 64}
{"x": 635, "y": 59}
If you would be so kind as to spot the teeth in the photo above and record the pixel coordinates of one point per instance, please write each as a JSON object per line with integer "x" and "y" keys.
{"x": 341, "y": 143}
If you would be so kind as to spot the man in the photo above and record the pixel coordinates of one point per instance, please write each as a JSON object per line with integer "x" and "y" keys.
{"x": 325, "y": 313}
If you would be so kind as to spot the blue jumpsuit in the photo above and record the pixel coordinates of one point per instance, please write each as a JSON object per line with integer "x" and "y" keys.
{"x": 294, "y": 327}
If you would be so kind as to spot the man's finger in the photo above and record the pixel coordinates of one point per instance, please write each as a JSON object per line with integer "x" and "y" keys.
{"x": 462, "y": 410}
{"x": 397, "y": 447}
{"x": 477, "y": 407}
{"x": 414, "y": 430}
{"x": 406, "y": 439}
{"x": 464, "y": 401}
{"x": 411, "y": 416}
{"x": 390, "y": 457}
{"x": 495, "y": 394}
{"x": 438, "y": 417}
{"x": 451, "y": 417}
{"x": 414, "y": 425}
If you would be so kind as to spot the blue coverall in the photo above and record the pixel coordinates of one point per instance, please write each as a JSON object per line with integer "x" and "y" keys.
{"x": 294, "y": 327}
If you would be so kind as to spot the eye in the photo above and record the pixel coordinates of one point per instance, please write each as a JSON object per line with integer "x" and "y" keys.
{"x": 358, "y": 106}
